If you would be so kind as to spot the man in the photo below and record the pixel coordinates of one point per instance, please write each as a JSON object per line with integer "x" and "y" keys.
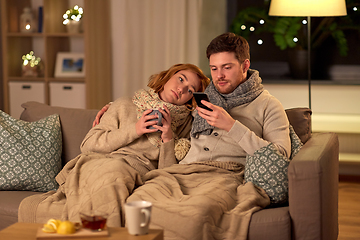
{"x": 245, "y": 117}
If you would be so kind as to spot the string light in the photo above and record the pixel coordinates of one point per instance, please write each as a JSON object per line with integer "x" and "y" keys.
{"x": 304, "y": 22}
{"x": 243, "y": 27}
{"x": 74, "y": 14}
{"x": 252, "y": 29}
{"x": 260, "y": 41}
{"x": 262, "y": 21}
{"x": 30, "y": 59}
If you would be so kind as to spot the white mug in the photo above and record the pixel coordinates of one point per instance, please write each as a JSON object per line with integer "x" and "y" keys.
{"x": 137, "y": 216}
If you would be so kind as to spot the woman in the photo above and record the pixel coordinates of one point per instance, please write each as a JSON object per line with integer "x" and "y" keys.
{"x": 171, "y": 92}
{"x": 121, "y": 148}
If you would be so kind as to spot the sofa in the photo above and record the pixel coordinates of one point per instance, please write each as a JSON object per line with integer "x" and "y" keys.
{"x": 311, "y": 211}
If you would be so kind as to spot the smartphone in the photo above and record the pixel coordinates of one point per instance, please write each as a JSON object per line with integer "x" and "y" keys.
{"x": 201, "y": 96}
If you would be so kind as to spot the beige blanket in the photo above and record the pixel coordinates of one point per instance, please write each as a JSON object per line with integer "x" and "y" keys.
{"x": 90, "y": 181}
{"x": 201, "y": 201}
{"x": 196, "y": 201}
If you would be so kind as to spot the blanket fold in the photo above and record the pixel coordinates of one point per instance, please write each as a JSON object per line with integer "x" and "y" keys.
{"x": 91, "y": 181}
{"x": 207, "y": 200}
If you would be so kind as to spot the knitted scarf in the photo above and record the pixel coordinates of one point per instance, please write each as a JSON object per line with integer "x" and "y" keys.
{"x": 244, "y": 93}
{"x": 150, "y": 100}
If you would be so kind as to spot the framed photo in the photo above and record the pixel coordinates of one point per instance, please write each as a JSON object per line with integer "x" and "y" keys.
{"x": 69, "y": 64}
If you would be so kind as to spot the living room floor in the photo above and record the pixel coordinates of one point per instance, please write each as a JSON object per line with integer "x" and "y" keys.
{"x": 349, "y": 209}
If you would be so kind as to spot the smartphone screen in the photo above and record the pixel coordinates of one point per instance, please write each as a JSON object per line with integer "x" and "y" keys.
{"x": 201, "y": 96}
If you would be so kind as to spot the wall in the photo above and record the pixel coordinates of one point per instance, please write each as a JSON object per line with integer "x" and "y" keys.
{"x": 335, "y": 109}
{"x": 213, "y": 23}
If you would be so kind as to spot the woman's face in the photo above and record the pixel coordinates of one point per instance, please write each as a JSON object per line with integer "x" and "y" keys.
{"x": 180, "y": 87}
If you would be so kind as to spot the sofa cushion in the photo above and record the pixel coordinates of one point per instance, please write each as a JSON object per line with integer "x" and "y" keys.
{"x": 273, "y": 223}
{"x": 30, "y": 153}
{"x": 300, "y": 119}
{"x": 75, "y": 124}
{"x": 268, "y": 168}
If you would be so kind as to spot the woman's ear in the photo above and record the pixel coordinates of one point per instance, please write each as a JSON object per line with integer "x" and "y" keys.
{"x": 246, "y": 65}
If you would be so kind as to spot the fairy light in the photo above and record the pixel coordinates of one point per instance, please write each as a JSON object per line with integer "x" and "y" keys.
{"x": 73, "y": 14}
{"x": 31, "y": 59}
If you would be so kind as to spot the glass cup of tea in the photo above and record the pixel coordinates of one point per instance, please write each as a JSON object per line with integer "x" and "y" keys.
{"x": 93, "y": 220}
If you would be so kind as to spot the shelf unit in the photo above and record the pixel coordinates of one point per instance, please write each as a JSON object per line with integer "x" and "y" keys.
{"x": 95, "y": 42}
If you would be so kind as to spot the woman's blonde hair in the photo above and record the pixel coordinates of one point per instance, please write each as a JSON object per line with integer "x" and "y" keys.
{"x": 157, "y": 81}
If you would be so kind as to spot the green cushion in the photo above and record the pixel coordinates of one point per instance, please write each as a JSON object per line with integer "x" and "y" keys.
{"x": 30, "y": 153}
{"x": 267, "y": 168}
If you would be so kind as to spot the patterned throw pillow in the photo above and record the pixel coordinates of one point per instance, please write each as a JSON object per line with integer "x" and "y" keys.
{"x": 268, "y": 169}
{"x": 30, "y": 153}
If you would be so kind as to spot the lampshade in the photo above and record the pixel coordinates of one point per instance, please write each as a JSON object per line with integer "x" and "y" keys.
{"x": 302, "y": 8}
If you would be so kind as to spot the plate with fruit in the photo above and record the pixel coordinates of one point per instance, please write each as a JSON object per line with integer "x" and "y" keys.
{"x": 55, "y": 228}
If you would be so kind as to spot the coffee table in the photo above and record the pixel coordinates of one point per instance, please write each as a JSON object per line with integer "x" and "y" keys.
{"x": 27, "y": 231}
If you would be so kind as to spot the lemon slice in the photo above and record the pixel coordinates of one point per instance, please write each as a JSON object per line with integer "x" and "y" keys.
{"x": 48, "y": 229}
{"x": 66, "y": 227}
{"x": 54, "y": 223}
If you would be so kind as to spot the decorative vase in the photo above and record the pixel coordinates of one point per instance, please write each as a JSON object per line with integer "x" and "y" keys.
{"x": 27, "y": 22}
{"x": 28, "y": 71}
{"x": 73, "y": 27}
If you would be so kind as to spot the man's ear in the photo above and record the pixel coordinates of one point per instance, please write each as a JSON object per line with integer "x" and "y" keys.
{"x": 246, "y": 65}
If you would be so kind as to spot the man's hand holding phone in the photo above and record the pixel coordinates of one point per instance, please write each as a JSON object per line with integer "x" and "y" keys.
{"x": 201, "y": 96}
{"x": 216, "y": 116}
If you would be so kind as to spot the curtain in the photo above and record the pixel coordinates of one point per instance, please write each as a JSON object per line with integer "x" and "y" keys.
{"x": 149, "y": 36}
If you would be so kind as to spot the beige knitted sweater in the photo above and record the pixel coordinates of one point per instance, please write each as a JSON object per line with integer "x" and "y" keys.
{"x": 116, "y": 134}
{"x": 257, "y": 124}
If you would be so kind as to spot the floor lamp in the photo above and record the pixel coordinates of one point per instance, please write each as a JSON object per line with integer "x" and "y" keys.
{"x": 308, "y": 8}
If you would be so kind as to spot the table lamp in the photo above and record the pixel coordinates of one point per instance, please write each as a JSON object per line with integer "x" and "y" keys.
{"x": 308, "y": 8}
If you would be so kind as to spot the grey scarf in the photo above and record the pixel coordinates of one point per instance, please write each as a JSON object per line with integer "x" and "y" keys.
{"x": 244, "y": 93}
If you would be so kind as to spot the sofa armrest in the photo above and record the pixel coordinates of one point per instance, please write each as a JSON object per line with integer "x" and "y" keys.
{"x": 313, "y": 188}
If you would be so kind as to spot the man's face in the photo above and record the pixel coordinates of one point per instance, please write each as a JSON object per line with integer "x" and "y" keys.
{"x": 226, "y": 71}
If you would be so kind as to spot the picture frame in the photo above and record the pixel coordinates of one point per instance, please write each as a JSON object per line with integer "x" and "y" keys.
{"x": 70, "y": 64}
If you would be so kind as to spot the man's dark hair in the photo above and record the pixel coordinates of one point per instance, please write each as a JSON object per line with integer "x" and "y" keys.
{"x": 229, "y": 42}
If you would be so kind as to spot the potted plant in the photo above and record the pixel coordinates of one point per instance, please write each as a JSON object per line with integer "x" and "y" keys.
{"x": 72, "y": 19}
{"x": 289, "y": 33}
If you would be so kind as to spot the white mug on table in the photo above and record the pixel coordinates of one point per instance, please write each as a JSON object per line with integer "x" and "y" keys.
{"x": 137, "y": 215}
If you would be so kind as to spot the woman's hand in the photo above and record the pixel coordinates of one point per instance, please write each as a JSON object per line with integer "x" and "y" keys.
{"x": 166, "y": 132}
{"x": 142, "y": 124}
